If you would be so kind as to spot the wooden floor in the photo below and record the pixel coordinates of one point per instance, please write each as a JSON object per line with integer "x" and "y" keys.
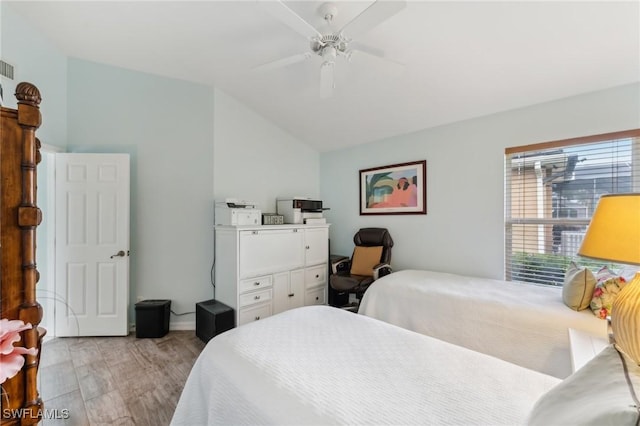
{"x": 115, "y": 380}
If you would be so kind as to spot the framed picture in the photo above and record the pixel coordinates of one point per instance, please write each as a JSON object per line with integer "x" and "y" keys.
{"x": 394, "y": 189}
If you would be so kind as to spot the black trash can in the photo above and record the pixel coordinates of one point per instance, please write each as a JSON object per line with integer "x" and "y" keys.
{"x": 213, "y": 318}
{"x": 152, "y": 318}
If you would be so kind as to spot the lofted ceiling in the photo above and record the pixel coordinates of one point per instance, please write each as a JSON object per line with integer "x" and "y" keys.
{"x": 461, "y": 59}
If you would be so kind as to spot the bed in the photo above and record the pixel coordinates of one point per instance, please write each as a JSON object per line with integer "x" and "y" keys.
{"x": 322, "y": 365}
{"x": 525, "y": 324}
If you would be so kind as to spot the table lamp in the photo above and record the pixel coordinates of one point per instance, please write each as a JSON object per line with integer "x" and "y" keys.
{"x": 614, "y": 235}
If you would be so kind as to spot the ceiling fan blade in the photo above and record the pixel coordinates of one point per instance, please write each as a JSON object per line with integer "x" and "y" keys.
{"x": 376, "y": 53}
{"x": 361, "y": 47}
{"x": 376, "y": 13}
{"x": 326, "y": 79}
{"x": 284, "y": 14}
{"x": 289, "y": 60}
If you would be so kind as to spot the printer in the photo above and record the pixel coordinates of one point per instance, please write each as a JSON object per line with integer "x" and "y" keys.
{"x": 234, "y": 212}
{"x": 299, "y": 209}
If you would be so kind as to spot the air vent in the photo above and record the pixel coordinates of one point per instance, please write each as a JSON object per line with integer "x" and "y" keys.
{"x": 6, "y": 70}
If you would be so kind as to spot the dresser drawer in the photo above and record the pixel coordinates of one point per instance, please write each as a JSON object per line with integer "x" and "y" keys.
{"x": 315, "y": 297}
{"x": 255, "y": 297}
{"x": 316, "y": 276}
{"x": 254, "y": 313}
{"x": 255, "y": 283}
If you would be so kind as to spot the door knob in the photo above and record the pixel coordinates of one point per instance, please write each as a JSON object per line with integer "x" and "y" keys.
{"x": 118, "y": 254}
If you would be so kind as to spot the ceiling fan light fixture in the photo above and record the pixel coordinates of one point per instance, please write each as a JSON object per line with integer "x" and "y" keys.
{"x": 329, "y": 54}
{"x": 326, "y": 79}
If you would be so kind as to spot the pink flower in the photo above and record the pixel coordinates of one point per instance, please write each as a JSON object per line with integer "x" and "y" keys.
{"x": 603, "y": 313}
{"x": 597, "y": 292}
{"x": 11, "y": 357}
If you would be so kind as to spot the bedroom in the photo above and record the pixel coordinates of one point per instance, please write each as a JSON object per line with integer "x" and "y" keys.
{"x": 97, "y": 107}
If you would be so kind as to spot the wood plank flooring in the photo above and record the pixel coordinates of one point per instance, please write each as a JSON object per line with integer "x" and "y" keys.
{"x": 115, "y": 380}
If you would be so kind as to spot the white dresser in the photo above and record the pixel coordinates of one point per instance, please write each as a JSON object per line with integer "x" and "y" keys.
{"x": 264, "y": 270}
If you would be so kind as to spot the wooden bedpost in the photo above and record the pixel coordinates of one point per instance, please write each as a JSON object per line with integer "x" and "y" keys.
{"x": 19, "y": 217}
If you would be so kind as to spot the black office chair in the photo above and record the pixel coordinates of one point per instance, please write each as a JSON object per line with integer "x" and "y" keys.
{"x": 369, "y": 261}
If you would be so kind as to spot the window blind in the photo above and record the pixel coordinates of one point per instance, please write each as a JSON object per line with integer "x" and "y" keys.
{"x": 551, "y": 192}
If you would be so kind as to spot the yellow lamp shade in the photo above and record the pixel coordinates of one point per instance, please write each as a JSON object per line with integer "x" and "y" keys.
{"x": 614, "y": 231}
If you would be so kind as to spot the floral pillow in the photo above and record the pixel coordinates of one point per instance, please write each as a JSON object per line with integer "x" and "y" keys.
{"x": 608, "y": 285}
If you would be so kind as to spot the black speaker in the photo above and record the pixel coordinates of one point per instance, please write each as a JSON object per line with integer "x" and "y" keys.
{"x": 152, "y": 318}
{"x": 213, "y": 318}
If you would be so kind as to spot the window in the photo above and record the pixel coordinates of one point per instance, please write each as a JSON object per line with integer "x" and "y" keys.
{"x": 551, "y": 191}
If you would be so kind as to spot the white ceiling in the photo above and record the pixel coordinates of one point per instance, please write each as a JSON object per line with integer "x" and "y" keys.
{"x": 462, "y": 59}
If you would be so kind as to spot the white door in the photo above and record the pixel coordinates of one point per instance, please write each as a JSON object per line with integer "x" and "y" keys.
{"x": 92, "y": 244}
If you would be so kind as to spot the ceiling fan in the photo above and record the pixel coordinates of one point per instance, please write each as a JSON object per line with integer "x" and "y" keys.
{"x": 333, "y": 44}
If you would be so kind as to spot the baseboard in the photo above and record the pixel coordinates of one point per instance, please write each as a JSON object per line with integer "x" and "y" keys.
{"x": 180, "y": 326}
{"x": 183, "y": 326}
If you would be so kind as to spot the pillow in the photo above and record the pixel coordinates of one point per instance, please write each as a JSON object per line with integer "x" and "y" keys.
{"x": 596, "y": 394}
{"x": 364, "y": 259}
{"x": 577, "y": 289}
{"x": 608, "y": 285}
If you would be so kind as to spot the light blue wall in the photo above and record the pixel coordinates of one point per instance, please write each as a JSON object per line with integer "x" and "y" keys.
{"x": 37, "y": 61}
{"x": 463, "y": 231}
{"x": 256, "y": 160}
{"x": 166, "y": 126}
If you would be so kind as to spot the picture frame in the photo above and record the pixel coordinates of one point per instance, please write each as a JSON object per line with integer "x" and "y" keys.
{"x": 394, "y": 189}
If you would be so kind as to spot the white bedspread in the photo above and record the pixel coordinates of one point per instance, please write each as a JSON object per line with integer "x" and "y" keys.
{"x": 321, "y": 365}
{"x": 521, "y": 323}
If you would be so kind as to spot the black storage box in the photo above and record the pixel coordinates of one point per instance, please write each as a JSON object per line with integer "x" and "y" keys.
{"x": 152, "y": 318}
{"x": 212, "y": 318}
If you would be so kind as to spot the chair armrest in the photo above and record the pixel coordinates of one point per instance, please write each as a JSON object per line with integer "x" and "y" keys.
{"x": 341, "y": 265}
{"x": 380, "y": 270}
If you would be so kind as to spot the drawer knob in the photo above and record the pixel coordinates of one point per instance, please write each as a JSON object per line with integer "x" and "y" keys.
{"x": 258, "y": 317}
{"x": 317, "y": 298}
{"x": 257, "y": 297}
{"x": 317, "y": 276}
{"x": 256, "y": 283}
{"x": 291, "y": 294}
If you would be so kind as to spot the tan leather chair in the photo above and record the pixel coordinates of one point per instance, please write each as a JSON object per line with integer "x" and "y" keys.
{"x": 369, "y": 261}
